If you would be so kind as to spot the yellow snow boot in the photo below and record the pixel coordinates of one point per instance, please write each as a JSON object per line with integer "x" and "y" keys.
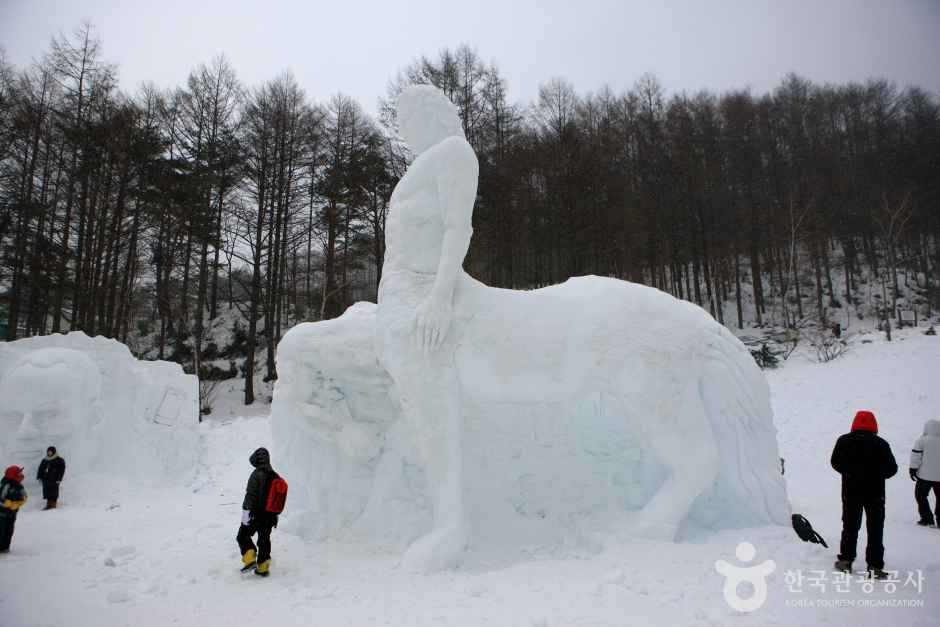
{"x": 248, "y": 559}
{"x": 262, "y": 569}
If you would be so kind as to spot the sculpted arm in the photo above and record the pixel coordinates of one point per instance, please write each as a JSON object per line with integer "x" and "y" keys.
{"x": 456, "y": 183}
{"x": 457, "y": 190}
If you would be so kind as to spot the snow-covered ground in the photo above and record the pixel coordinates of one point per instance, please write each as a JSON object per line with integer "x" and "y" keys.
{"x": 118, "y": 554}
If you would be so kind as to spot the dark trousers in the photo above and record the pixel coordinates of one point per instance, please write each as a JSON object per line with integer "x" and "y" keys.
{"x": 7, "y": 523}
{"x": 921, "y": 491}
{"x": 262, "y": 527}
{"x": 874, "y": 507}
{"x": 50, "y": 490}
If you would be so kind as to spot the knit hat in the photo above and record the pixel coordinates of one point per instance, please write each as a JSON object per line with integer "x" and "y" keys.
{"x": 14, "y": 473}
{"x": 865, "y": 421}
{"x": 260, "y": 457}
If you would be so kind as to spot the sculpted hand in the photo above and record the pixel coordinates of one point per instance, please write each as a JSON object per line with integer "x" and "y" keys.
{"x": 432, "y": 319}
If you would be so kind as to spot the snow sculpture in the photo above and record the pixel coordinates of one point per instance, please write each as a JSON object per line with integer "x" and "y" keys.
{"x": 102, "y": 408}
{"x": 575, "y": 407}
{"x": 330, "y": 423}
{"x": 52, "y": 393}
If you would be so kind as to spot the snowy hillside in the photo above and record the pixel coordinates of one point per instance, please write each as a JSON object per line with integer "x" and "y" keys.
{"x": 116, "y": 554}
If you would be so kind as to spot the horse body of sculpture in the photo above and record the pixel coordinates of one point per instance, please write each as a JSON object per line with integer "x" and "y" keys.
{"x": 614, "y": 371}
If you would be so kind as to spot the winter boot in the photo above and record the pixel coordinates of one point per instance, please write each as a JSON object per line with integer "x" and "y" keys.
{"x": 925, "y": 523}
{"x": 248, "y": 560}
{"x": 262, "y": 569}
{"x": 877, "y": 573}
{"x": 843, "y": 566}
{"x": 49, "y": 505}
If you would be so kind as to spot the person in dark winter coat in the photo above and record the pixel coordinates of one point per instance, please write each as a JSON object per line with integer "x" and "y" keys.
{"x": 254, "y": 517}
{"x": 865, "y": 461}
{"x": 51, "y": 471}
{"x": 925, "y": 470}
{"x": 12, "y": 498}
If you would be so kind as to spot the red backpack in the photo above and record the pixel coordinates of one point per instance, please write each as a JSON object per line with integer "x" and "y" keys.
{"x": 277, "y": 496}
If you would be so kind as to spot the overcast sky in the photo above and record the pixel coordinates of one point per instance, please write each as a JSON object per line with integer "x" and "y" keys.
{"x": 353, "y": 46}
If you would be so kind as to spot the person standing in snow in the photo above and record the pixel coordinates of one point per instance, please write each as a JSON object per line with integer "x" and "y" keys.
{"x": 925, "y": 470}
{"x": 865, "y": 461}
{"x": 12, "y": 498}
{"x": 51, "y": 471}
{"x": 255, "y": 519}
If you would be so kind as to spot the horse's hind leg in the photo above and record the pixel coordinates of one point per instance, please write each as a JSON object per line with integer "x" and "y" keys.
{"x": 682, "y": 439}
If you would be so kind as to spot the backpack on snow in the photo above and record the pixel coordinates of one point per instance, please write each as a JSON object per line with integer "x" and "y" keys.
{"x": 805, "y": 530}
{"x": 277, "y": 496}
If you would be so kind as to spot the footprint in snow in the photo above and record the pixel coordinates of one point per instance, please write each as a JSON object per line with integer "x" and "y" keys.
{"x": 477, "y": 590}
{"x": 325, "y": 593}
{"x": 123, "y": 551}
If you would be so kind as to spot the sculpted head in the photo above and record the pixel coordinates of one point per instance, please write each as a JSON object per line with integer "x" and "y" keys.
{"x": 426, "y": 117}
{"x": 50, "y": 395}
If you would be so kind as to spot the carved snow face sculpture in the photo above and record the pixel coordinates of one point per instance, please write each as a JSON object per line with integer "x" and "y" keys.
{"x": 49, "y": 397}
{"x": 426, "y": 117}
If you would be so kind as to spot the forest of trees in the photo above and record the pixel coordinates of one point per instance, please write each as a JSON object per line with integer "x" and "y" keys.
{"x": 153, "y": 212}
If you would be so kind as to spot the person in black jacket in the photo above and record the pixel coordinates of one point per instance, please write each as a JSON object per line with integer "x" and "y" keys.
{"x": 51, "y": 471}
{"x": 865, "y": 461}
{"x": 12, "y": 498}
{"x": 254, "y": 517}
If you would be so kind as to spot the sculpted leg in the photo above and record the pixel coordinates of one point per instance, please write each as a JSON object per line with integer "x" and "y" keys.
{"x": 435, "y": 416}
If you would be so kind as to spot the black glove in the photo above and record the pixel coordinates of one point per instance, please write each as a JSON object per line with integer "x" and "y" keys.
{"x": 913, "y": 474}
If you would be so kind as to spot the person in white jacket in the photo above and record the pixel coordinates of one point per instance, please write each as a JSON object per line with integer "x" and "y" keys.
{"x": 925, "y": 470}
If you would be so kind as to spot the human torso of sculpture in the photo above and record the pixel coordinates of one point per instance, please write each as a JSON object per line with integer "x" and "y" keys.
{"x": 414, "y": 228}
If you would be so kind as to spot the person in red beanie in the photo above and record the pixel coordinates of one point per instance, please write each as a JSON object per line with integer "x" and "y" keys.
{"x": 865, "y": 461}
{"x": 12, "y": 498}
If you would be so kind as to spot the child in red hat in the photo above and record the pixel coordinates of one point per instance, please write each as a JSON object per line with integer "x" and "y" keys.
{"x": 12, "y": 498}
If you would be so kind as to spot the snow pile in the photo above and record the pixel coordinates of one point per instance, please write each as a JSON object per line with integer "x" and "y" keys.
{"x": 573, "y": 399}
{"x": 104, "y": 410}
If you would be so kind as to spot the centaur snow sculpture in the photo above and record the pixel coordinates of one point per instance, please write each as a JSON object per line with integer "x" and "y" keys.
{"x": 603, "y": 373}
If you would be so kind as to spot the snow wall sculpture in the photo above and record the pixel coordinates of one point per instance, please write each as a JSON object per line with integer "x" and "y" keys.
{"x": 103, "y": 409}
{"x": 455, "y": 415}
